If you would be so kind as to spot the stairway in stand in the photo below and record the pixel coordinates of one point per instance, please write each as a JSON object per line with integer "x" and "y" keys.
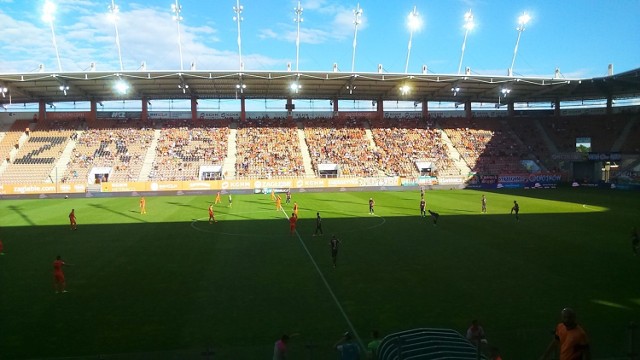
{"x": 61, "y": 167}
{"x": 229, "y": 166}
{"x": 150, "y": 156}
{"x": 304, "y": 149}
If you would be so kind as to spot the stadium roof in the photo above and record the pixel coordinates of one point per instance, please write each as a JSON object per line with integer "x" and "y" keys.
{"x": 84, "y": 86}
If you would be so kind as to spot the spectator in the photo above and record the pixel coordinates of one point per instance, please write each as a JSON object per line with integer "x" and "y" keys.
{"x": 372, "y": 347}
{"x": 347, "y": 348}
{"x": 569, "y": 338}
{"x": 475, "y": 333}
{"x": 280, "y": 348}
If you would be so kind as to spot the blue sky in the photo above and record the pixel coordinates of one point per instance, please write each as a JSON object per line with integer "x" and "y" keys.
{"x": 580, "y": 37}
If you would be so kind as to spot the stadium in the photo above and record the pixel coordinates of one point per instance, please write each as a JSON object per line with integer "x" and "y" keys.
{"x": 184, "y": 181}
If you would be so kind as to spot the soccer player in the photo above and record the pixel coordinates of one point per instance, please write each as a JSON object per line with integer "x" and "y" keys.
{"x": 318, "y": 225}
{"x": 218, "y": 199}
{"x": 434, "y": 216}
{"x": 212, "y": 218}
{"x": 295, "y": 208}
{"x": 421, "y": 192}
{"x": 273, "y": 195}
{"x": 484, "y": 204}
{"x": 1, "y": 248}
{"x": 59, "y": 282}
{"x": 423, "y": 208}
{"x": 371, "y": 205}
{"x": 516, "y": 209}
{"x": 333, "y": 243}
{"x": 143, "y": 205}
{"x": 72, "y": 219}
{"x": 278, "y": 203}
{"x": 230, "y": 201}
{"x": 292, "y": 223}
{"x": 288, "y": 200}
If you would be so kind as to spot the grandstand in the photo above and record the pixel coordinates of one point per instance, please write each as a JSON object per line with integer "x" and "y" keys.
{"x": 522, "y": 144}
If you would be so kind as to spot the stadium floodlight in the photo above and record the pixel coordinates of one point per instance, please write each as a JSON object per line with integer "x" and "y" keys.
{"x": 522, "y": 22}
{"x": 405, "y": 89}
{"x": 298, "y": 19}
{"x": 240, "y": 87}
{"x": 3, "y": 90}
{"x": 183, "y": 87}
{"x": 468, "y": 26}
{"x": 48, "y": 16}
{"x": 113, "y": 16}
{"x": 455, "y": 90}
{"x": 238, "y": 10}
{"x": 177, "y": 9}
{"x": 64, "y": 87}
{"x": 295, "y": 87}
{"x": 121, "y": 87}
{"x": 357, "y": 13}
{"x": 413, "y": 22}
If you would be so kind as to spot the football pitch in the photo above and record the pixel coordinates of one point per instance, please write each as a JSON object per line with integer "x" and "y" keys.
{"x": 168, "y": 284}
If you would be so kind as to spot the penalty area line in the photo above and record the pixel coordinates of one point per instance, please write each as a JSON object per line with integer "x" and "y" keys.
{"x": 326, "y": 284}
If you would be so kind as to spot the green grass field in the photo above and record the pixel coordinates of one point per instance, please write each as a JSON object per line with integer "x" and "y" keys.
{"x": 169, "y": 285}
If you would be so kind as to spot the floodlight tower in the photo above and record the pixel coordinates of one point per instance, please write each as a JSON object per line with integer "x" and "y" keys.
{"x": 47, "y": 16}
{"x": 177, "y": 9}
{"x": 522, "y": 22}
{"x": 238, "y": 10}
{"x": 413, "y": 21}
{"x": 468, "y": 26}
{"x": 298, "y": 19}
{"x": 357, "y": 13}
{"x": 113, "y": 16}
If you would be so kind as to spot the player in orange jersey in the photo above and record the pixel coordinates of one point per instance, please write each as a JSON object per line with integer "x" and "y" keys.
{"x": 295, "y": 208}
{"x": 212, "y": 217}
{"x": 278, "y": 203}
{"x": 59, "y": 283}
{"x": 273, "y": 195}
{"x": 72, "y": 220}
{"x": 218, "y": 199}
{"x": 292, "y": 223}
{"x": 143, "y": 205}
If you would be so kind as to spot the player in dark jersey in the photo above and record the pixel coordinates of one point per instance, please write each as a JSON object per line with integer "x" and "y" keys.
{"x": 371, "y": 205}
{"x": 423, "y": 208}
{"x": 318, "y": 225}
{"x": 434, "y": 216}
{"x": 334, "y": 243}
{"x": 516, "y": 209}
{"x": 484, "y": 204}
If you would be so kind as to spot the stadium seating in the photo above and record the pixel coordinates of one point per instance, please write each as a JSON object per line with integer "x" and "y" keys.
{"x": 402, "y": 142}
{"x": 37, "y": 155}
{"x": 268, "y": 148}
{"x": 184, "y": 146}
{"x": 342, "y": 142}
{"x": 120, "y": 146}
{"x": 486, "y": 145}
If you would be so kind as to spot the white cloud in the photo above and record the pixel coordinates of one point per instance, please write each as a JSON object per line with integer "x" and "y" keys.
{"x": 338, "y": 20}
{"x": 146, "y": 34}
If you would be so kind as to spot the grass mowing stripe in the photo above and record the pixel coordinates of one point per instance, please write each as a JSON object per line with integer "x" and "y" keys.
{"x": 324, "y": 280}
